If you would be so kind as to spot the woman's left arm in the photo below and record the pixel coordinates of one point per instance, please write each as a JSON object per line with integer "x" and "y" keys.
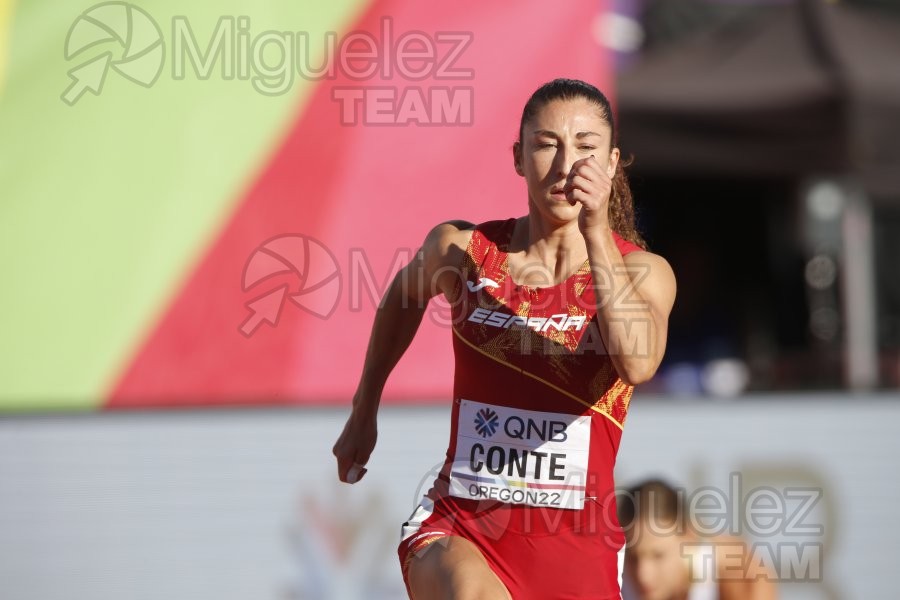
{"x": 634, "y": 295}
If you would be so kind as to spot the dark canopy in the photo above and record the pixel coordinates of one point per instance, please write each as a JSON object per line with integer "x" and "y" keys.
{"x": 802, "y": 88}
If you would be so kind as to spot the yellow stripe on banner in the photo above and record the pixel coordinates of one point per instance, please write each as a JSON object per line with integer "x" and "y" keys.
{"x": 6, "y": 11}
{"x": 536, "y": 378}
{"x": 117, "y": 219}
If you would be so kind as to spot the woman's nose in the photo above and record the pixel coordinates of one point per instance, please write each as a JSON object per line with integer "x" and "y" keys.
{"x": 565, "y": 157}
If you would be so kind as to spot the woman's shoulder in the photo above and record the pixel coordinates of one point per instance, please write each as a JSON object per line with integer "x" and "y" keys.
{"x": 652, "y": 274}
{"x": 459, "y": 232}
{"x": 453, "y": 231}
{"x": 447, "y": 238}
{"x": 625, "y": 246}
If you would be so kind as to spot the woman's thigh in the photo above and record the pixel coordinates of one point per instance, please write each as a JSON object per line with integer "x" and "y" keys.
{"x": 452, "y": 568}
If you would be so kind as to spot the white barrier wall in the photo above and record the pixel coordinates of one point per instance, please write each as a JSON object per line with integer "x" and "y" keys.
{"x": 245, "y": 504}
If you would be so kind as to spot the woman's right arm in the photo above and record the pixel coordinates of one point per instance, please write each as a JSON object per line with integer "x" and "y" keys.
{"x": 397, "y": 320}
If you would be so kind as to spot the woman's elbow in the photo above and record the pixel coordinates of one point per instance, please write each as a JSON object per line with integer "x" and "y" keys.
{"x": 636, "y": 372}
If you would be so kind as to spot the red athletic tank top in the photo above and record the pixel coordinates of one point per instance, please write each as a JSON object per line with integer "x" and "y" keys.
{"x": 538, "y": 406}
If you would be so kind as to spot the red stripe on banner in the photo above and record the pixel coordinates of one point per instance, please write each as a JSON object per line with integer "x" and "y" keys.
{"x": 340, "y": 207}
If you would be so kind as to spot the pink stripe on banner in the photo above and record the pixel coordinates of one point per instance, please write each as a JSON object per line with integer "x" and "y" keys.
{"x": 280, "y": 308}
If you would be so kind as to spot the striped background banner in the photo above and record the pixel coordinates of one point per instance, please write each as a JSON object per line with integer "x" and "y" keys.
{"x": 202, "y": 204}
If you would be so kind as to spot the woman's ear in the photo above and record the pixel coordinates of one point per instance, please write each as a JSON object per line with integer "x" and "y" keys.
{"x": 613, "y": 162}
{"x": 517, "y": 158}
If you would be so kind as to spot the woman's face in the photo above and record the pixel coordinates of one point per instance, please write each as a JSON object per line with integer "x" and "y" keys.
{"x": 560, "y": 133}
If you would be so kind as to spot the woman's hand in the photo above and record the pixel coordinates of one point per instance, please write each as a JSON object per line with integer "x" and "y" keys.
{"x": 589, "y": 183}
{"x": 355, "y": 445}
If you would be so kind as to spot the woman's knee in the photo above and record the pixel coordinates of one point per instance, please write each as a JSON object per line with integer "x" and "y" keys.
{"x": 452, "y": 568}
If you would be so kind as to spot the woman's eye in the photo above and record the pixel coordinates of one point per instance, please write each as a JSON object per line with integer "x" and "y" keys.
{"x": 546, "y": 145}
{"x": 587, "y": 147}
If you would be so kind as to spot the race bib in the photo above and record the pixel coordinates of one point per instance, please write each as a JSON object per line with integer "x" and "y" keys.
{"x": 520, "y": 456}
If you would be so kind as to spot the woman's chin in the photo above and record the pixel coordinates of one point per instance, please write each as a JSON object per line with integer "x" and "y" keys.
{"x": 562, "y": 205}
{"x": 560, "y": 212}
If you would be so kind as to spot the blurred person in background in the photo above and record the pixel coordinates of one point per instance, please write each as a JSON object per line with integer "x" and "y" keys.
{"x": 556, "y": 316}
{"x": 667, "y": 559}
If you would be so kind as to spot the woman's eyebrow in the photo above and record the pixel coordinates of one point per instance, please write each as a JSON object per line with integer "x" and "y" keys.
{"x": 553, "y": 134}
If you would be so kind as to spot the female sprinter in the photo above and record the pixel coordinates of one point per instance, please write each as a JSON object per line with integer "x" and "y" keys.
{"x": 556, "y": 316}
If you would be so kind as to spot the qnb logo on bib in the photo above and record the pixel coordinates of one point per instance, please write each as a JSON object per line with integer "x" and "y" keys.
{"x": 520, "y": 456}
{"x": 486, "y": 422}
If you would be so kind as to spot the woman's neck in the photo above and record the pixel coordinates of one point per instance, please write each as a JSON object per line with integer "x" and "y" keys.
{"x": 560, "y": 250}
